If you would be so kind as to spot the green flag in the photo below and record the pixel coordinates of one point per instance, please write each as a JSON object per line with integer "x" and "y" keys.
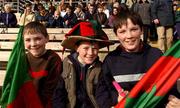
{"x": 18, "y": 90}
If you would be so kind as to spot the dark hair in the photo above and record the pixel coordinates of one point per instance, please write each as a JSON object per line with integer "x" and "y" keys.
{"x": 122, "y": 20}
{"x": 28, "y": 5}
{"x": 35, "y": 27}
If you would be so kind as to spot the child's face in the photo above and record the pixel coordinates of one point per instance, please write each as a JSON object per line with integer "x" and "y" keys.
{"x": 35, "y": 43}
{"x": 129, "y": 36}
{"x": 88, "y": 52}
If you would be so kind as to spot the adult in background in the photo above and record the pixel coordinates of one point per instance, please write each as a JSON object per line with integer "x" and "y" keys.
{"x": 56, "y": 21}
{"x": 100, "y": 16}
{"x": 176, "y": 5}
{"x": 43, "y": 17}
{"x": 70, "y": 18}
{"x": 27, "y": 16}
{"x": 163, "y": 18}
{"x": 143, "y": 8}
{"x": 8, "y": 17}
{"x": 115, "y": 14}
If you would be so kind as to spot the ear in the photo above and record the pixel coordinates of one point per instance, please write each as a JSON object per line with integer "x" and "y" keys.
{"x": 76, "y": 48}
{"x": 142, "y": 32}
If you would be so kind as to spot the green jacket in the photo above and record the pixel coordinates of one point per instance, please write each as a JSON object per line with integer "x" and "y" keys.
{"x": 69, "y": 76}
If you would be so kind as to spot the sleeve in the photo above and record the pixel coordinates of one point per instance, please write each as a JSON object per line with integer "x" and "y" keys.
{"x": 60, "y": 95}
{"x": 153, "y": 9}
{"x": 50, "y": 82}
{"x": 21, "y": 20}
{"x": 102, "y": 94}
{"x": 106, "y": 93}
{"x": 108, "y": 77}
{"x": 175, "y": 89}
{"x": 13, "y": 21}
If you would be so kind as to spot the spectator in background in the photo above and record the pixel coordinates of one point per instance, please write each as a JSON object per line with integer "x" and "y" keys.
{"x": 177, "y": 18}
{"x": 90, "y": 12}
{"x": 106, "y": 10}
{"x": 56, "y": 20}
{"x": 142, "y": 7}
{"x": 113, "y": 16}
{"x": 70, "y": 18}
{"x": 51, "y": 8}
{"x": 43, "y": 17}
{"x": 39, "y": 8}
{"x": 79, "y": 13}
{"x": 8, "y": 17}
{"x": 130, "y": 3}
{"x": 100, "y": 16}
{"x": 35, "y": 5}
{"x": 62, "y": 8}
{"x": 27, "y": 16}
{"x": 116, "y": 4}
{"x": 110, "y": 5}
{"x": 163, "y": 18}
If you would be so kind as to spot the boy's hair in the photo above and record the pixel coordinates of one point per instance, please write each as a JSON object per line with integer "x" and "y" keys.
{"x": 35, "y": 27}
{"x": 122, "y": 20}
{"x": 28, "y": 5}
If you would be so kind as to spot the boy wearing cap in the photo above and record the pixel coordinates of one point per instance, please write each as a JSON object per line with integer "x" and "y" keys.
{"x": 82, "y": 68}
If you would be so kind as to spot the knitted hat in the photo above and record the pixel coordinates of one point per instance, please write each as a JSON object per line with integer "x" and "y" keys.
{"x": 86, "y": 31}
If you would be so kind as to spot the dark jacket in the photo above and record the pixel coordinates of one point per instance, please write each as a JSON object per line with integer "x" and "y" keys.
{"x": 177, "y": 14}
{"x": 12, "y": 21}
{"x": 163, "y": 10}
{"x": 101, "y": 18}
{"x": 56, "y": 22}
{"x": 144, "y": 11}
{"x": 71, "y": 18}
{"x": 126, "y": 68}
{"x": 74, "y": 89}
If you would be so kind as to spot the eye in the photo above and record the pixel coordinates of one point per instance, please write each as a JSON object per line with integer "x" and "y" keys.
{"x": 38, "y": 39}
{"x": 85, "y": 48}
{"x": 27, "y": 40}
{"x": 121, "y": 31}
{"x": 134, "y": 29}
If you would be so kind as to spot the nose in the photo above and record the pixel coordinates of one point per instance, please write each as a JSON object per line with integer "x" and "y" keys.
{"x": 33, "y": 43}
{"x": 128, "y": 34}
{"x": 90, "y": 51}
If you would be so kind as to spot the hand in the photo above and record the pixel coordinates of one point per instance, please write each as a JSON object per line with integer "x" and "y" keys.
{"x": 156, "y": 21}
{"x": 66, "y": 22}
{"x": 120, "y": 97}
{"x": 25, "y": 11}
{"x": 174, "y": 102}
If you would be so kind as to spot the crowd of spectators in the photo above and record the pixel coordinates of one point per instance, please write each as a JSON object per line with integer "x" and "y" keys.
{"x": 66, "y": 15}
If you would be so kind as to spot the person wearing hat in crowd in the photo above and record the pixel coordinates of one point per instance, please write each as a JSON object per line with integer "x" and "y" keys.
{"x": 82, "y": 68}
